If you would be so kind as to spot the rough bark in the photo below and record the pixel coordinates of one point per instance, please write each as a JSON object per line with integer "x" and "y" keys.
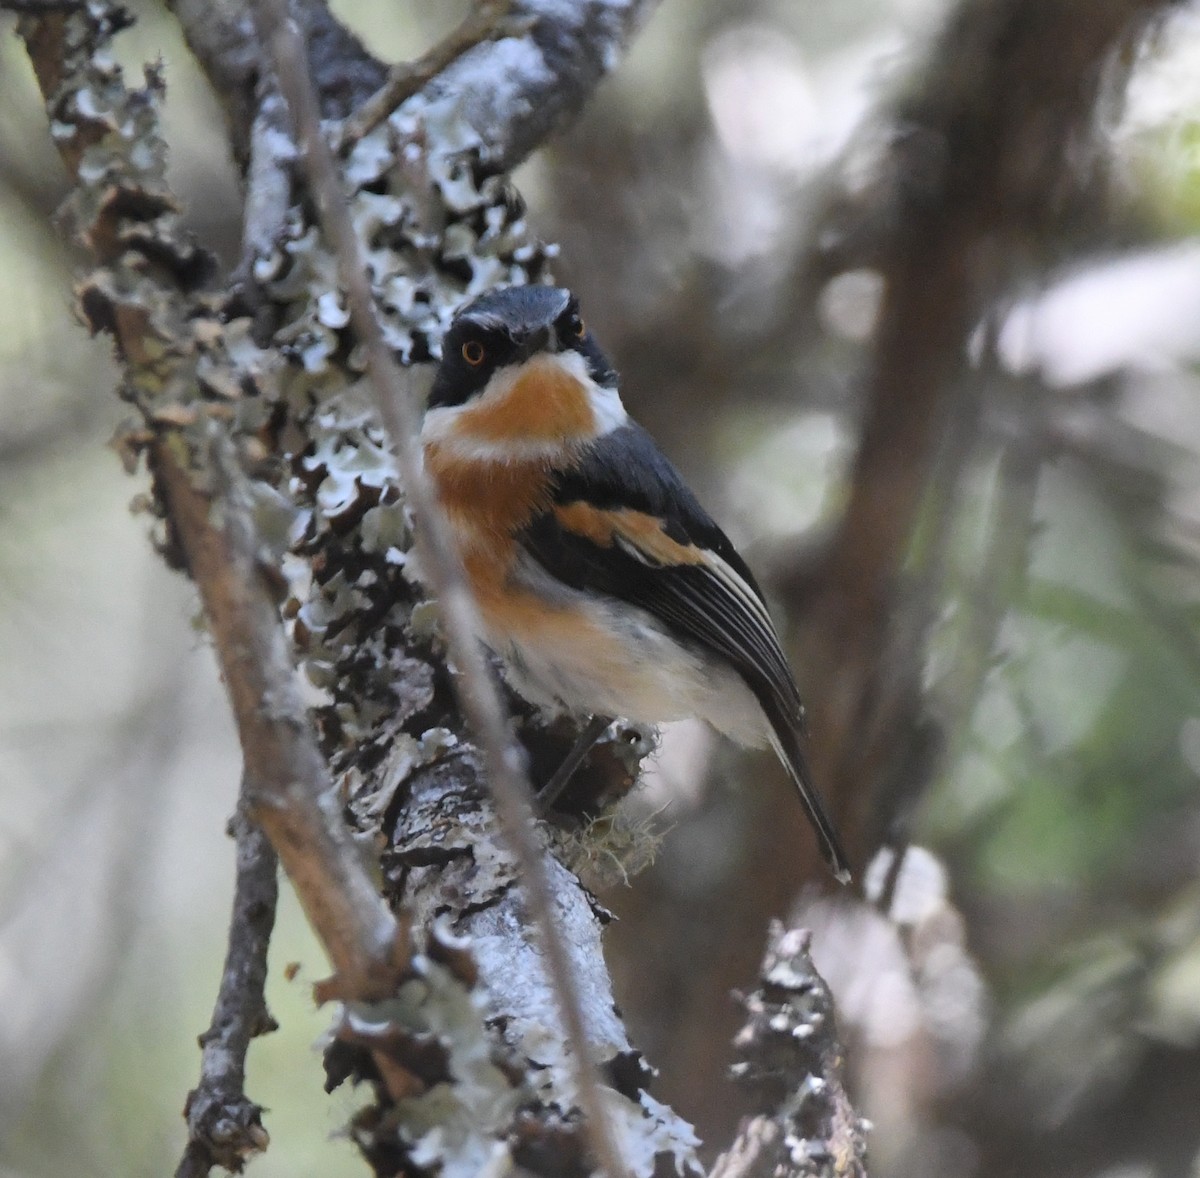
{"x": 276, "y": 483}
{"x": 224, "y": 1125}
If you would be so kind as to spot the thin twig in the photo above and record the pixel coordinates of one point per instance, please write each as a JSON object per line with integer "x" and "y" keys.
{"x": 478, "y": 693}
{"x": 224, "y": 1127}
{"x": 486, "y": 22}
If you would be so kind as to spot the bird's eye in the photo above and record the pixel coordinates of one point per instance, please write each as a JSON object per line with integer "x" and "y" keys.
{"x": 572, "y": 325}
{"x": 473, "y": 352}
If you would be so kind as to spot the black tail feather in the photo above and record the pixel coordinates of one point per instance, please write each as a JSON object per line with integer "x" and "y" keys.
{"x": 786, "y": 741}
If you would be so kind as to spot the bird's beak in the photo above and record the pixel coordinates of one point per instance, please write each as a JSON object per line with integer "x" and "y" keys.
{"x": 541, "y": 340}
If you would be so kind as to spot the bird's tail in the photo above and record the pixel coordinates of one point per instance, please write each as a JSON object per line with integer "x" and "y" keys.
{"x": 785, "y": 740}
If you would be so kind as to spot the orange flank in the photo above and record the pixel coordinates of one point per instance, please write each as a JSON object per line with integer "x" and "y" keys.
{"x": 641, "y": 531}
{"x": 512, "y": 612}
{"x": 544, "y": 404}
{"x": 497, "y": 498}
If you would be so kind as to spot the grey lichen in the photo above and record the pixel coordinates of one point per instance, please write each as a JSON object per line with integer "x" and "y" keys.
{"x": 445, "y": 852}
{"x": 462, "y": 1102}
{"x": 438, "y": 226}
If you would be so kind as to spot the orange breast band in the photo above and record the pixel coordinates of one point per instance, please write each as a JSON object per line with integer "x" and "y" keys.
{"x": 494, "y": 496}
{"x": 544, "y": 404}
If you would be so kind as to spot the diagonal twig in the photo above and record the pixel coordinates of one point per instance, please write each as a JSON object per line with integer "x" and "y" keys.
{"x": 489, "y": 21}
{"x": 478, "y": 692}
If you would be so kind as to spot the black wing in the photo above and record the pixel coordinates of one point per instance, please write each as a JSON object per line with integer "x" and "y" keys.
{"x": 694, "y": 579}
{"x": 624, "y": 524}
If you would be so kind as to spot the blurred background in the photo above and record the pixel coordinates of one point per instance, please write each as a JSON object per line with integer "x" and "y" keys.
{"x": 1031, "y": 1002}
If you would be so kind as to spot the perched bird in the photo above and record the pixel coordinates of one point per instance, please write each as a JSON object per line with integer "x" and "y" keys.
{"x": 602, "y": 583}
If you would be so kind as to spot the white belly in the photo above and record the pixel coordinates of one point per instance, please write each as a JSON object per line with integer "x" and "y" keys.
{"x": 622, "y": 663}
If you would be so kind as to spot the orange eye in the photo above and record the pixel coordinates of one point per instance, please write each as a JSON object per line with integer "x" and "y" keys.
{"x": 580, "y": 328}
{"x": 472, "y": 352}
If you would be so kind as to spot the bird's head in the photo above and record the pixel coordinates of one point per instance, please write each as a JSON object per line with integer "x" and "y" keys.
{"x": 511, "y": 332}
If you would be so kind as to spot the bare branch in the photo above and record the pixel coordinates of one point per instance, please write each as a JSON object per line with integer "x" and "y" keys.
{"x": 222, "y": 36}
{"x": 478, "y": 691}
{"x": 224, "y": 1127}
{"x": 991, "y": 148}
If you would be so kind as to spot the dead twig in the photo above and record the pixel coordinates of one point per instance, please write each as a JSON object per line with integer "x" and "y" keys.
{"x": 224, "y": 1126}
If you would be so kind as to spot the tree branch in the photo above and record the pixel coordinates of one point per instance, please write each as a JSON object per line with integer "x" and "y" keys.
{"x": 990, "y": 150}
{"x": 323, "y": 514}
{"x": 287, "y": 789}
{"x": 222, "y": 37}
{"x": 789, "y": 1051}
{"x": 224, "y": 1127}
{"x": 488, "y": 21}
{"x": 519, "y": 90}
{"x": 173, "y": 353}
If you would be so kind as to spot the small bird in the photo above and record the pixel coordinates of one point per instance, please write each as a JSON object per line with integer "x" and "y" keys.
{"x": 602, "y": 584}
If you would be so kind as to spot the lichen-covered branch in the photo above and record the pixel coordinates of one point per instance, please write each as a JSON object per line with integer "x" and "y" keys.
{"x": 789, "y": 1052}
{"x": 287, "y": 790}
{"x": 478, "y": 691}
{"x": 489, "y": 20}
{"x": 217, "y": 404}
{"x": 518, "y": 90}
{"x": 281, "y": 495}
{"x": 176, "y": 372}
